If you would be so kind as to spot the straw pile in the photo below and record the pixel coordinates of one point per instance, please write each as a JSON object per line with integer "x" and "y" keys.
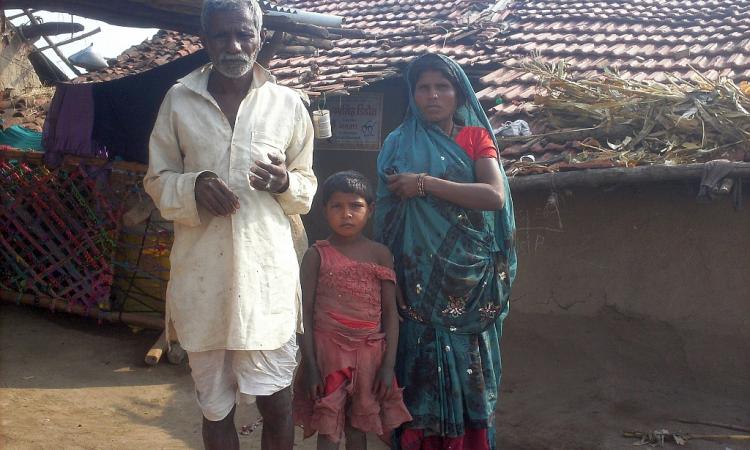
{"x": 628, "y": 123}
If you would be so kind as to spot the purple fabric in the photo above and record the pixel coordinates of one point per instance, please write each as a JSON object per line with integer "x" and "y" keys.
{"x": 70, "y": 123}
{"x": 111, "y": 119}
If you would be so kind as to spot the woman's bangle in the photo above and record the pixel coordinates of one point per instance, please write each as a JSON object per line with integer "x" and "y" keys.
{"x": 420, "y": 185}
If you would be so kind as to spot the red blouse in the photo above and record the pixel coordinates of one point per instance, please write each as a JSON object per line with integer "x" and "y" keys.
{"x": 477, "y": 143}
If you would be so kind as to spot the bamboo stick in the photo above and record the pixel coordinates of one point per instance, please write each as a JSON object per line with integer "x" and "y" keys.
{"x": 134, "y": 319}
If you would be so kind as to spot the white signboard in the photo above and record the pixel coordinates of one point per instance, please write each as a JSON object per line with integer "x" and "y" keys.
{"x": 356, "y": 122}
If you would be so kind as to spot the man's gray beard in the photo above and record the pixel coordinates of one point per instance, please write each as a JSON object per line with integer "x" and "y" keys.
{"x": 233, "y": 68}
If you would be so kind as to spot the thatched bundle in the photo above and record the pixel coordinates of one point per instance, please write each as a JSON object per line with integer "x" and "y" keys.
{"x": 629, "y": 122}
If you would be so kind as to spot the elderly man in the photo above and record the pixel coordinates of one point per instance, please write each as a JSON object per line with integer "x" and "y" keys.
{"x": 230, "y": 160}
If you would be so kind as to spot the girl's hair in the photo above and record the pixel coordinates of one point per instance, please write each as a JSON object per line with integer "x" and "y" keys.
{"x": 350, "y": 182}
{"x": 434, "y": 63}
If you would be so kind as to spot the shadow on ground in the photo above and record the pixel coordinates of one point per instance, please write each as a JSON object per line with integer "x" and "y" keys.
{"x": 574, "y": 382}
{"x": 569, "y": 382}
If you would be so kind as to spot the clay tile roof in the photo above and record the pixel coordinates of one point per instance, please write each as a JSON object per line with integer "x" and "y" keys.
{"x": 395, "y": 31}
{"x": 644, "y": 39}
{"x": 163, "y": 47}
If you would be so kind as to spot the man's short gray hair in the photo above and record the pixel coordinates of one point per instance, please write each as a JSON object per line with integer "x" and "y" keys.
{"x": 212, "y": 6}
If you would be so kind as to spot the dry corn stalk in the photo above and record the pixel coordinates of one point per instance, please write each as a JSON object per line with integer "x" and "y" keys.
{"x": 679, "y": 122}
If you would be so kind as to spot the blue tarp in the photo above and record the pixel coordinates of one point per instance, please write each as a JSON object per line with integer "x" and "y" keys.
{"x": 21, "y": 138}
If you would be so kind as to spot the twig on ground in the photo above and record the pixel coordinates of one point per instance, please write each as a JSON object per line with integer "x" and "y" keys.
{"x": 659, "y": 437}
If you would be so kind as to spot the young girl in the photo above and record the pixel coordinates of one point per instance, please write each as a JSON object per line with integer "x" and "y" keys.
{"x": 346, "y": 384}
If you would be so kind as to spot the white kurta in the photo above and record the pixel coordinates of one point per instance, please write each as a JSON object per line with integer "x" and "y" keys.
{"x": 233, "y": 279}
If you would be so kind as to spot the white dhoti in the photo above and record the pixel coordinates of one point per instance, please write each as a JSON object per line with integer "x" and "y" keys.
{"x": 224, "y": 378}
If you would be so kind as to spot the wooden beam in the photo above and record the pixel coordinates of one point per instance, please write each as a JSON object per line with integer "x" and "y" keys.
{"x": 142, "y": 14}
{"x": 52, "y": 44}
{"x": 594, "y": 178}
{"x": 72, "y": 161}
{"x": 283, "y": 23}
{"x": 349, "y": 33}
{"x": 292, "y": 50}
{"x": 73, "y": 39}
{"x": 16, "y": 16}
{"x": 118, "y": 12}
{"x": 320, "y": 44}
{"x": 56, "y": 304}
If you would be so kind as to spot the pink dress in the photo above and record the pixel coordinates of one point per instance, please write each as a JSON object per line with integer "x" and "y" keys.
{"x": 349, "y": 346}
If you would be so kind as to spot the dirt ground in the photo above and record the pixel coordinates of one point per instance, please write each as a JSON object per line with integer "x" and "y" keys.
{"x": 569, "y": 383}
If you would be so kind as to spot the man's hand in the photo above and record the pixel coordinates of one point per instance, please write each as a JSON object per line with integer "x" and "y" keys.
{"x": 404, "y": 185}
{"x": 383, "y": 383}
{"x": 272, "y": 177}
{"x": 215, "y": 196}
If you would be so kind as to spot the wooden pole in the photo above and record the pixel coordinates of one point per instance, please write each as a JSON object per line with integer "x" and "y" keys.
{"x": 324, "y": 44}
{"x": 281, "y": 23}
{"x": 720, "y": 437}
{"x": 52, "y": 44}
{"x": 686, "y": 436}
{"x": 71, "y": 160}
{"x": 350, "y": 33}
{"x": 716, "y": 424}
{"x": 134, "y": 319}
{"x": 296, "y": 50}
{"x": 74, "y": 39}
{"x": 593, "y": 178}
{"x": 157, "y": 350}
{"x": 16, "y": 16}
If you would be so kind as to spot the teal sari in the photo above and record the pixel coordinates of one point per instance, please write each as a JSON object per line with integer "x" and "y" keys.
{"x": 455, "y": 267}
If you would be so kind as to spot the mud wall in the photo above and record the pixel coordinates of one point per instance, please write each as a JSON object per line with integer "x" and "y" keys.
{"x": 648, "y": 251}
{"x": 651, "y": 251}
{"x": 16, "y": 71}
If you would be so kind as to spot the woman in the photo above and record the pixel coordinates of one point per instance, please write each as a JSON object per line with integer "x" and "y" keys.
{"x": 444, "y": 209}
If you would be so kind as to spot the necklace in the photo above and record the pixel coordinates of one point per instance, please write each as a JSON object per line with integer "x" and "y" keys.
{"x": 453, "y": 127}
